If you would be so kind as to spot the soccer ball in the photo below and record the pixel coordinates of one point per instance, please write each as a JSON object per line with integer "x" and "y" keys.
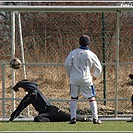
{"x": 15, "y": 63}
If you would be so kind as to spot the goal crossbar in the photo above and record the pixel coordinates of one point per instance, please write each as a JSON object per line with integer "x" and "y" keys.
{"x": 67, "y": 8}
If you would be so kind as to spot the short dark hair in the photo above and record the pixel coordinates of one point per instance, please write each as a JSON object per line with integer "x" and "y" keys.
{"x": 84, "y": 40}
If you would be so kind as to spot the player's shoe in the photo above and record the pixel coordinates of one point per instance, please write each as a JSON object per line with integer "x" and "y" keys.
{"x": 131, "y": 120}
{"x": 97, "y": 121}
{"x": 72, "y": 121}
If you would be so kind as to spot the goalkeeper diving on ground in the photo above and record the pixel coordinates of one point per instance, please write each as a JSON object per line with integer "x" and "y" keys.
{"x": 46, "y": 111}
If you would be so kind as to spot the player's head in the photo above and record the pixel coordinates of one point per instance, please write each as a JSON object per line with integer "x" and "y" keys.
{"x": 84, "y": 40}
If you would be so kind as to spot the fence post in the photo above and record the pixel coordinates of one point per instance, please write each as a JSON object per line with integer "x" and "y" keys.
{"x": 117, "y": 60}
{"x": 3, "y": 90}
{"x": 13, "y": 54}
{"x": 104, "y": 58}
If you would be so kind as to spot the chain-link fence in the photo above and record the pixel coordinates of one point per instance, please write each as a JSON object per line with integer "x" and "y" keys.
{"x": 48, "y": 37}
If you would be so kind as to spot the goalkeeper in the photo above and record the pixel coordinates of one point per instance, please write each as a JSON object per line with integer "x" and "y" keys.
{"x": 47, "y": 111}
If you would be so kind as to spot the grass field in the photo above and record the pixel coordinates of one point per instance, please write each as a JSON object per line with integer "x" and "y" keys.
{"x": 64, "y": 126}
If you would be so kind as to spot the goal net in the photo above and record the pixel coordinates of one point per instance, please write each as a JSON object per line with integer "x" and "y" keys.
{"x": 48, "y": 34}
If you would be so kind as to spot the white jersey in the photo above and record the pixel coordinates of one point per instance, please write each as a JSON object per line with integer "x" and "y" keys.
{"x": 78, "y": 65}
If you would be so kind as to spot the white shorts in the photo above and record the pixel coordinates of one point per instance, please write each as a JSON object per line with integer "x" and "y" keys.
{"x": 87, "y": 91}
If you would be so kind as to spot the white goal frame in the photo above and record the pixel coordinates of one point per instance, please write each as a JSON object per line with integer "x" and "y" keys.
{"x": 117, "y": 9}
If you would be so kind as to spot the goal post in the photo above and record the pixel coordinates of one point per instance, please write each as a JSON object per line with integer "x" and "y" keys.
{"x": 67, "y": 8}
{"x": 49, "y": 33}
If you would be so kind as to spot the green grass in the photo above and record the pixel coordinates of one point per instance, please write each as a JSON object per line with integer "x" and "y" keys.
{"x": 63, "y": 126}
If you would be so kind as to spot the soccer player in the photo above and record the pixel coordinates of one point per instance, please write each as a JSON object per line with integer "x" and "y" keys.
{"x": 131, "y": 77}
{"x": 47, "y": 111}
{"x": 78, "y": 65}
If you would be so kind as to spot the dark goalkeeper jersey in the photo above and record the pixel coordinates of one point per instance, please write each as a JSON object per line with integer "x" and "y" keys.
{"x": 34, "y": 97}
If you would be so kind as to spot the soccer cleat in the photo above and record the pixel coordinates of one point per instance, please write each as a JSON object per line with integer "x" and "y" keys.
{"x": 97, "y": 121}
{"x": 72, "y": 121}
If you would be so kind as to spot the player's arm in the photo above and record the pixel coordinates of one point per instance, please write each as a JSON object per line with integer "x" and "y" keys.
{"x": 18, "y": 85}
{"x": 68, "y": 63}
{"x": 23, "y": 104}
{"x": 97, "y": 67}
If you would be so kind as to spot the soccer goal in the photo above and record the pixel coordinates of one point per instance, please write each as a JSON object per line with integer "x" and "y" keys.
{"x": 42, "y": 37}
